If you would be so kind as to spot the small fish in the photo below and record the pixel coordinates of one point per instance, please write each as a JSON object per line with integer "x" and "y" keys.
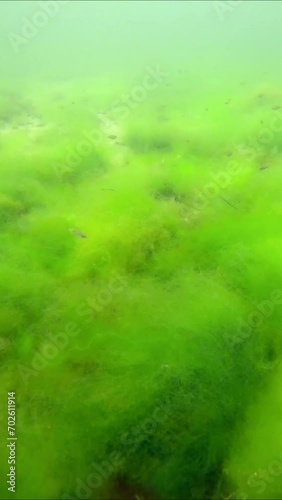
{"x": 78, "y": 233}
{"x": 226, "y": 201}
{"x": 263, "y": 167}
{"x": 112, "y": 137}
{"x": 276, "y": 107}
{"x": 228, "y": 153}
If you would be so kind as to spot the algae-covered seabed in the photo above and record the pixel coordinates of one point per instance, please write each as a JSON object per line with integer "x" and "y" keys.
{"x": 141, "y": 296}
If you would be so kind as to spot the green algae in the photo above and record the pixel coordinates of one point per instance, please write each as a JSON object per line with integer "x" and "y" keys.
{"x": 126, "y": 348}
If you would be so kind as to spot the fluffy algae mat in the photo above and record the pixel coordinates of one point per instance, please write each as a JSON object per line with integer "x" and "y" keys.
{"x": 141, "y": 293}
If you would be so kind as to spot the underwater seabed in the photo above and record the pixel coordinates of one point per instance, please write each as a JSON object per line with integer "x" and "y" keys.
{"x": 141, "y": 263}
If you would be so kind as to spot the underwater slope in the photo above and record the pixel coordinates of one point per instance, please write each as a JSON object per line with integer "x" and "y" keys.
{"x": 141, "y": 297}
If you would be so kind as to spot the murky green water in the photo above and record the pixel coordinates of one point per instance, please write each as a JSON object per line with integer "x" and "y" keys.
{"x": 141, "y": 250}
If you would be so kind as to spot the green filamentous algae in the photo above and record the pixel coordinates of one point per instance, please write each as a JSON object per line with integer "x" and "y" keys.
{"x": 140, "y": 250}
